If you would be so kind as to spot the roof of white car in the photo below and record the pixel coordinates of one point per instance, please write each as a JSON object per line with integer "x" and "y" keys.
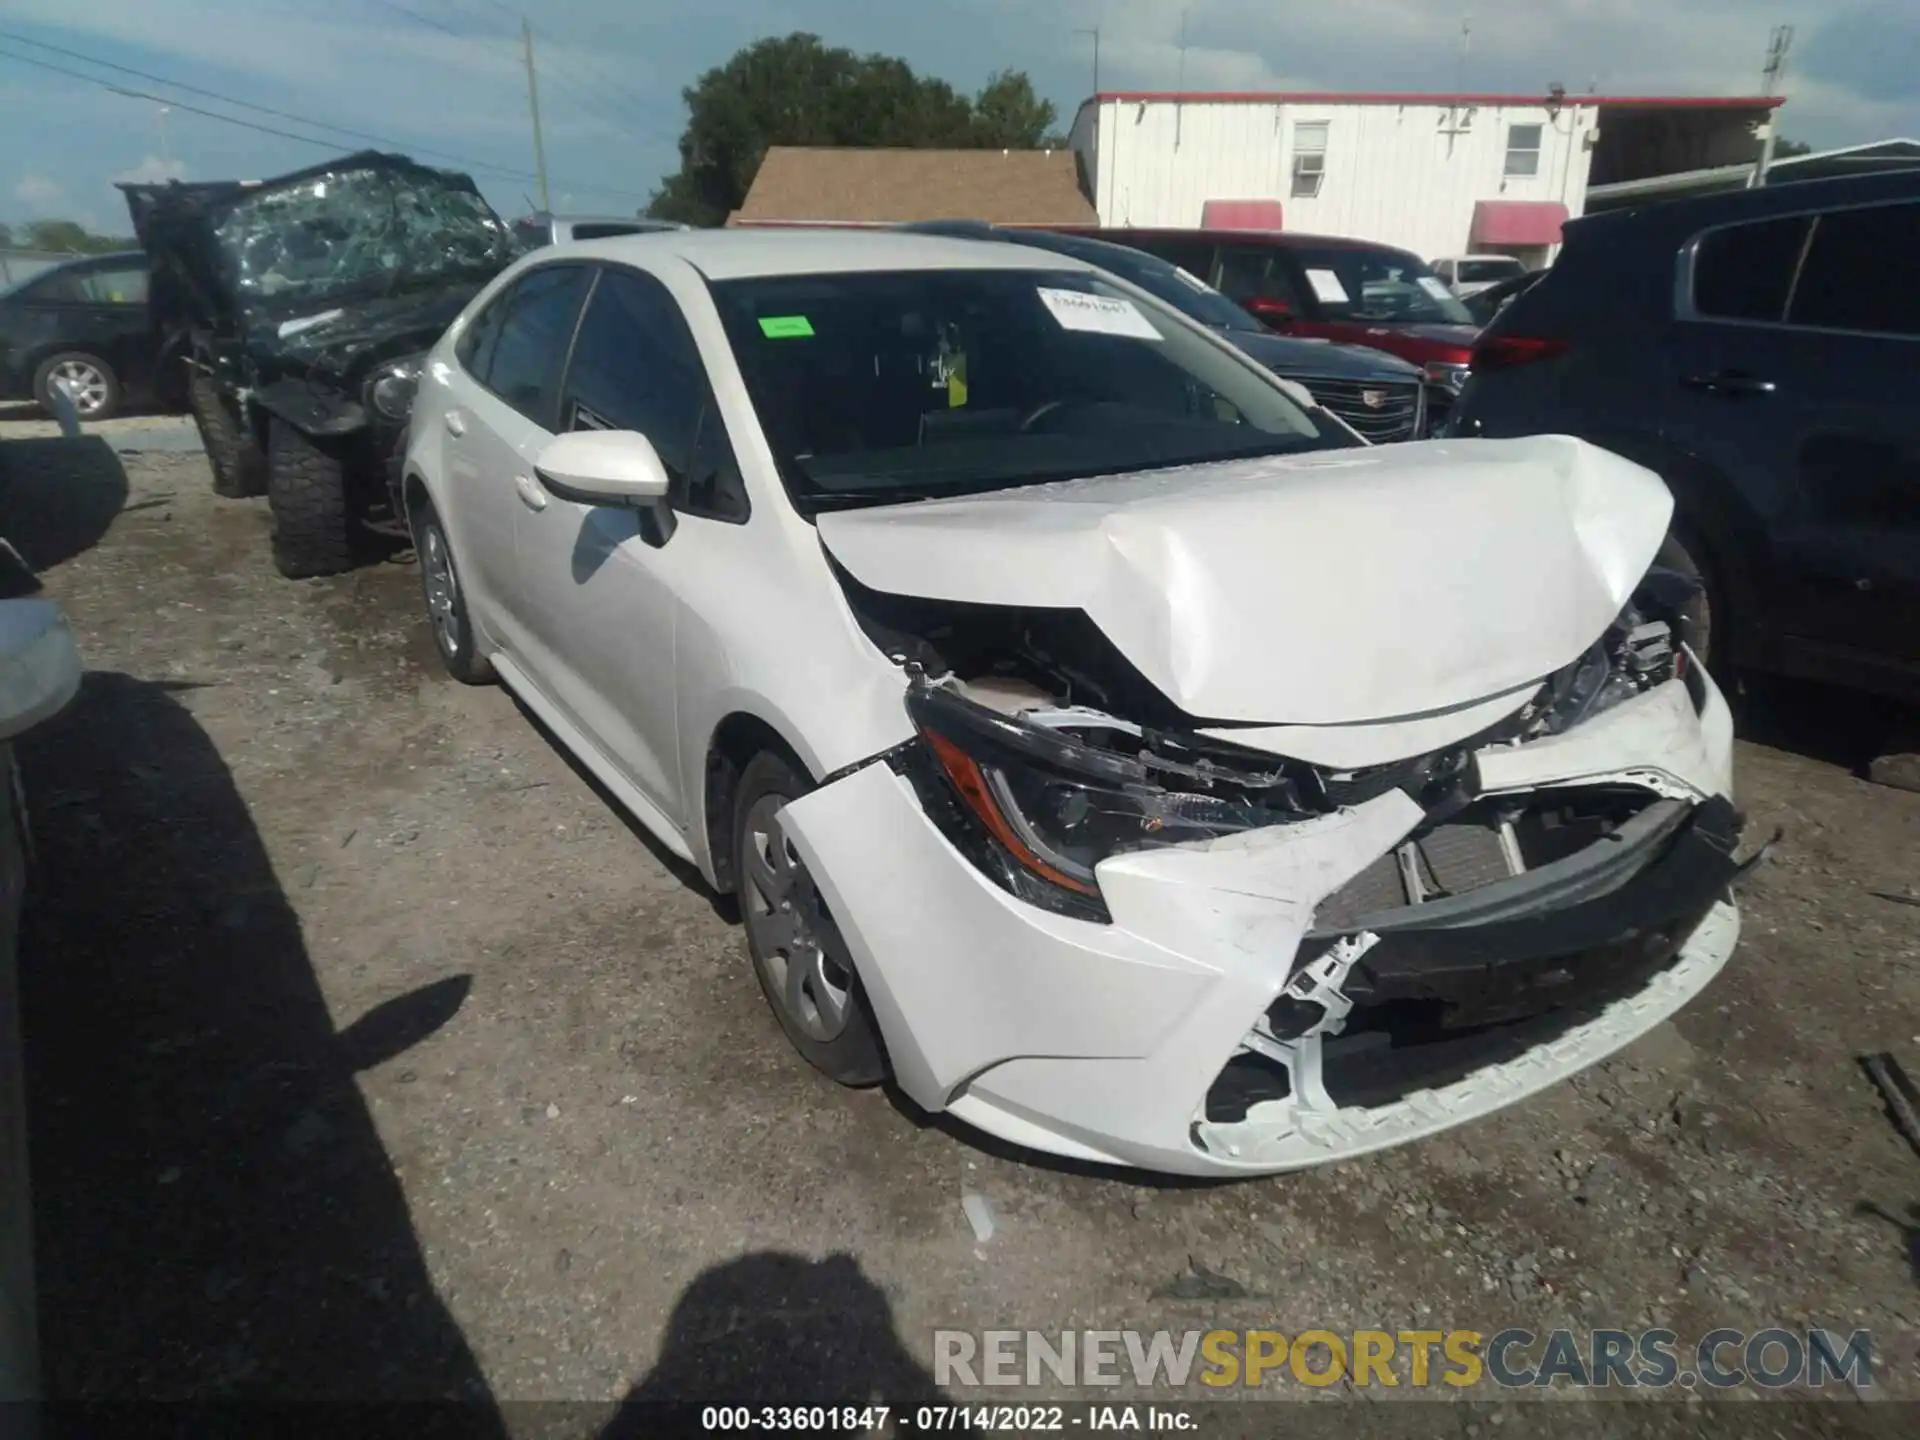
{"x": 741, "y": 253}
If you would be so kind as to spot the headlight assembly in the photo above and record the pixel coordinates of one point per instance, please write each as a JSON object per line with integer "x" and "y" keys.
{"x": 1038, "y": 807}
{"x": 393, "y": 387}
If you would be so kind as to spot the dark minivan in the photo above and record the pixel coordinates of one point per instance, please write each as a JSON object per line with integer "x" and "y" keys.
{"x": 1760, "y": 350}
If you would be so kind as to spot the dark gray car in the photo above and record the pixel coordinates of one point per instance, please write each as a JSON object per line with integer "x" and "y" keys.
{"x": 1380, "y": 396}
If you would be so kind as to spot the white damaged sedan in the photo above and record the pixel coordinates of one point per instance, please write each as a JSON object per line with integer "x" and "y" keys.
{"x": 1100, "y": 739}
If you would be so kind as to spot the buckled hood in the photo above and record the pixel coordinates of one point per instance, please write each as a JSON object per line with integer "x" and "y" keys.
{"x": 1330, "y": 588}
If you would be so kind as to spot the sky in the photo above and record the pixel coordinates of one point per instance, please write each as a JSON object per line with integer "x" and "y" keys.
{"x": 444, "y": 80}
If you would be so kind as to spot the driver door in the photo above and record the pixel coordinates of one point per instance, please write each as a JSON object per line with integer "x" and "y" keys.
{"x": 603, "y": 583}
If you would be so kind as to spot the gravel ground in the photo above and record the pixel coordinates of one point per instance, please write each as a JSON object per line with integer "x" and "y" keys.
{"x": 373, "y": 1053}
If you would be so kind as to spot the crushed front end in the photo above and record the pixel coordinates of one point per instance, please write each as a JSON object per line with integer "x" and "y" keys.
{"x": 1123, "y": 940}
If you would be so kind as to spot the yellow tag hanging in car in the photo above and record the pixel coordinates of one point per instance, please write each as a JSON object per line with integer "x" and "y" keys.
{"x": 957, "y": 380}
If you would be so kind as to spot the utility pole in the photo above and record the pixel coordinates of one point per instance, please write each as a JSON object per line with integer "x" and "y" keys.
{"x": 1095, "y": 33}
{"x": 533, "y": 103}
{"x": 166, "y": 152}
{"x": 1778, "y": 43}
{"x": 1180, "y": 84}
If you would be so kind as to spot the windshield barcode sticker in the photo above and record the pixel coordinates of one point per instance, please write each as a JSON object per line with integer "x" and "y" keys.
{"x": 1097, "y": 314}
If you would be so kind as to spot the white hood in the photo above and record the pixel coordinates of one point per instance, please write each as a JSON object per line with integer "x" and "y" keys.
{"x": 1331, "y": 588}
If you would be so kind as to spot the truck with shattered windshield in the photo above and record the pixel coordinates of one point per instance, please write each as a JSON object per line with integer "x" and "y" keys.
{"x": 309, "y": 301}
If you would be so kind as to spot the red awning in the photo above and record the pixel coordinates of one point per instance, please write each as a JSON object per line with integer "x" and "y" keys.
{"x": 1240, "y": 215}
{"x": 1516, "y": 222}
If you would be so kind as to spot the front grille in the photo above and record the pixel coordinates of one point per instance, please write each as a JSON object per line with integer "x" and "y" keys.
{"x": 1439, "y": 405}
{"x": 1382, "y": 411}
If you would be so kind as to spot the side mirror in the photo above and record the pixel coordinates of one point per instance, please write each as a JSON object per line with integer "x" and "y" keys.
{"x": 602, "y": 467}
{"x": 1273, "y": 312}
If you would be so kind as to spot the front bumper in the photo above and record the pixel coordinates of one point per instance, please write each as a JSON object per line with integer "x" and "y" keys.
{"x": 1212, "y": 1029}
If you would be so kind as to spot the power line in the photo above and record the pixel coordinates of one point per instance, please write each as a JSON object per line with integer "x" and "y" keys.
{"x": 500, "y": 171}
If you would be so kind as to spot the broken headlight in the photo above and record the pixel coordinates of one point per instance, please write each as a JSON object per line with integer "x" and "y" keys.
{"x": 392, "y": 390}
{"x": 1640, "y": 650}
{"x": 1038, "y": 808}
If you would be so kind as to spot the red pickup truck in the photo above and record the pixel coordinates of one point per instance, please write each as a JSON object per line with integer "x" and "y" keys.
{"x": 1352, "y": 291}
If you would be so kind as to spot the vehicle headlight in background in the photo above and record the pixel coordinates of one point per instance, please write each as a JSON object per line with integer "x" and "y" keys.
{"x": 394, "y": 385}
{"x": 1445, "y": 373}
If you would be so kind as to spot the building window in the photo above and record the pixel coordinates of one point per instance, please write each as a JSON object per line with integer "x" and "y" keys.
{"x": 1309, "y": 158}
{"x": 1523, "y": 149}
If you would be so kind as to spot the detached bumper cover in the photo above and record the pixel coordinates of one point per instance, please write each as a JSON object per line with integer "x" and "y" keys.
{"x": 1116, "y": 1042}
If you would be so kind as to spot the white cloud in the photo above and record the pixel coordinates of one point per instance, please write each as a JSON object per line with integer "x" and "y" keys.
{"x": 41, "y": 196}
{"x": 151, "y": 171}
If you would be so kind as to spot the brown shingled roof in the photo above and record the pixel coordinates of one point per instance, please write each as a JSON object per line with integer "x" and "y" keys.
{"x": 1012, "y": 187}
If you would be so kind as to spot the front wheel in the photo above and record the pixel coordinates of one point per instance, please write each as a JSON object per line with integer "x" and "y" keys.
{"x": 307, "y": 492}
{"x": 798, "y": 953}
{"x": 1703, "y": 618}
{"x": 239, "y": 469}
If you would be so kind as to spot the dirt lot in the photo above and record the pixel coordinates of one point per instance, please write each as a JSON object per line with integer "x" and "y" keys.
{"x": 373, "y": 1053}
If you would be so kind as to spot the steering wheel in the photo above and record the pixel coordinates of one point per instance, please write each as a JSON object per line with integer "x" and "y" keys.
{"x": 1038, "y": 413}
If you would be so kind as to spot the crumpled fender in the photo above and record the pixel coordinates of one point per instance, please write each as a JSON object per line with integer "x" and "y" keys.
{"x": 310, "y": 410}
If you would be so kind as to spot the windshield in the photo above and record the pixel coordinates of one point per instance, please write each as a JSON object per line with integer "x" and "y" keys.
{"x": 1474, "y": 271}
{"x": 1354, "y": 283}
{"x": 886, "y": 386}
{"x": 373, "y": 230}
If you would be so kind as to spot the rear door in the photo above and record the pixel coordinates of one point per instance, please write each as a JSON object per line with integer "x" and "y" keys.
{"x": 500, "y": 414}
{"x": 1794, "y": 370}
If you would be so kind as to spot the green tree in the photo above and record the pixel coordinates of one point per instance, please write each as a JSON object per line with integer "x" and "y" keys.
{"x": 794, "y": 90}
{"x": 69, "y": 237}
{"x": 1783, "y": 148}
{"x": 6, "y": 236}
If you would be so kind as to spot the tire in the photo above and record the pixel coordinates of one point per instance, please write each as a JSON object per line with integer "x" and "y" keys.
{"x": 239, "y": 469}
{"x": 307, "y": 491}
{"x": 1703, "y": 623}
{"x": 447, "y": 602}
{"x": 99, "y": 387}
{"x": 821, "y": 1006}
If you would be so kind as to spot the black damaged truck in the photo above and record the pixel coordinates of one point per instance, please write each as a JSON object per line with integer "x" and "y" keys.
{"x": 310, "y": 301}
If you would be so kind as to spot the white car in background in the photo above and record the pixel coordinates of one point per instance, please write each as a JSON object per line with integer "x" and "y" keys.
{"x": 1099, "y": 738}
{"x": 1470, "y": 274}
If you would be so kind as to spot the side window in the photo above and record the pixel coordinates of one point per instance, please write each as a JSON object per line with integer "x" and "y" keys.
{"x": 1743, "y": 272}
{"x": 1256, "y": 272}
{"x": 474, "y": 349}
{"x": 534, "y": 331}
{"x": 124, "y": 285}
{"x": 66, "y": 287}
{"x": 1862, "y": 272}
{"x": 636, "y": 366}
{"x": 1193, "y": 256}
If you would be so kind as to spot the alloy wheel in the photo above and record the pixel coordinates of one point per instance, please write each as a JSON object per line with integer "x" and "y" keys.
{"x": 443, "y": 590}
{"x": 84, "y": 381}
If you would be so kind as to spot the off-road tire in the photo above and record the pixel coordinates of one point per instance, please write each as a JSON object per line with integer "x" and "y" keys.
{"x": 853, "y": 1057}
{"x": 307, "y": 492}
{"x": 239, "y": 469}
{"x": 454, "y": 638}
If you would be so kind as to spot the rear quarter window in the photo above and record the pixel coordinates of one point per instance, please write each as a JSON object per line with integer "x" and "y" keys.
{"x": 1745, "y": 272}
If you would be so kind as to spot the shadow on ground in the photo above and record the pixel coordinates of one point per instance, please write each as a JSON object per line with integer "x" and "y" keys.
{"x": 57, "y": 499}
{"x": 772, "y": 1329}
{"x": 215, "y": 1214}
{"x": 1824, "y": 722}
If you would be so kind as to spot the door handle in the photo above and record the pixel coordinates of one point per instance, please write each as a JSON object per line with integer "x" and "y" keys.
{"x": 532, "y": 494}
{"x": 1730, "y": 382}
{"x": 456, "y": 423}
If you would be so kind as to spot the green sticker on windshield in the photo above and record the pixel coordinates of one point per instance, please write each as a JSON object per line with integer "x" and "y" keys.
{"x": 786, "y": 327}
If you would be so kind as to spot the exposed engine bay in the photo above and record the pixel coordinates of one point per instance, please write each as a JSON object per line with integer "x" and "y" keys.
{"x": 1094, "y": 761}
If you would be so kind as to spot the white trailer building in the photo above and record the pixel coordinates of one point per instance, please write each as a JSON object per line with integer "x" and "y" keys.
{"x": 1436, "y": 174}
